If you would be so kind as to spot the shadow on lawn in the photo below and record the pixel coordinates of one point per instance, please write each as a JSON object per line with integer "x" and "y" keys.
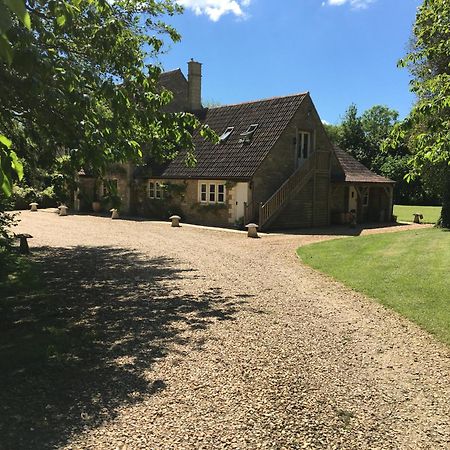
{"x": 80, "y": 332}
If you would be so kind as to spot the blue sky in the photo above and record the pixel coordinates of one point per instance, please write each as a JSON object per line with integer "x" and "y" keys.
{"x": 342, "y": 51}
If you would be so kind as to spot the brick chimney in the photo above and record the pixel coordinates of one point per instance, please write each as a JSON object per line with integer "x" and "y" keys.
{"x": 195, "y": 85}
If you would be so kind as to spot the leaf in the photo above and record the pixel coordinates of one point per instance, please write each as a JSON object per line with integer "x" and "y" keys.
{"x": 6, "y": 185}
{"x": 18, "y": 7}
{"x": 5, "y": 49}
{"x": 5, "y": 141}
{"x": 16, "y": 164}
{"x": 5, "y": 19}
{"x": 61, "y": 20}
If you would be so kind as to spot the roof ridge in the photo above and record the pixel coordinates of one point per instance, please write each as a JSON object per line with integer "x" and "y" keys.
{"x": 262, "y": 100}
{"x": 170, "y": 71}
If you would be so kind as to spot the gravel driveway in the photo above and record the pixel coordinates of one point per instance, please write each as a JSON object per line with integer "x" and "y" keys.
{"x": 206, "y": 339}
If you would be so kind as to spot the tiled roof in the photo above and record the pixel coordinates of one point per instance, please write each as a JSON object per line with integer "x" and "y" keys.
{"x": 355, "y": 172}
{"x": 175, "y": 82}
{"x": 172, "y": 78}
{"x": 232, "y": 159}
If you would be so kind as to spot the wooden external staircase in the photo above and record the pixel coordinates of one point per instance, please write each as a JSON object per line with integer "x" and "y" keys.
{"x": 269, "y": 210}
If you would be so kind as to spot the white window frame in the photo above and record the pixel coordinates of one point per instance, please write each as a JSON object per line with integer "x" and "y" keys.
{"x": 212, "y": 192}
{"x": 203, "y": 193}
{"x": 300, "y": 144}
{"x": 221, "y": 194}
{"x": 155, "y": 191}
{"x": 226, "y": 134}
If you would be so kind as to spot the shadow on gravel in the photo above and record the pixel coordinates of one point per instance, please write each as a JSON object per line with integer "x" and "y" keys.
{"x": 79, "y": 328}
{"x": 341, "y": 230}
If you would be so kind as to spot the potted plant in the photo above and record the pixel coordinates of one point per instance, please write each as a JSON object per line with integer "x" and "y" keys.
{"x": 112, "y": 199}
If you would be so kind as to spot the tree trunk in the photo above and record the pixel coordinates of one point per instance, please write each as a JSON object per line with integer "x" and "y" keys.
{"x": 444, "y": 221}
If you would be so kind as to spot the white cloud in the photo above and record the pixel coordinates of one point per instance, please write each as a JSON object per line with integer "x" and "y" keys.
{"x": 356, "y": 4}
{"x": 215, "y": 9}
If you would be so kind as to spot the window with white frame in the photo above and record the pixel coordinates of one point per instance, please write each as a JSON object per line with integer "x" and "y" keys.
{"x": 203, "y": 193}
{"x": 220, "y": 193}
{"x": 226, "y": 134}
{"x": 155, "y": 190}
{"x": 212, "y": 193}
{"x": 247, "y": 136}
{"x": 303, "y": 144}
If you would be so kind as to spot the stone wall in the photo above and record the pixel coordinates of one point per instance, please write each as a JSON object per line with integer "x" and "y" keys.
{"x": 378, "y": 208}
{"x": 91, "y": 189}
{"x": 181, "y": 197}
{"x": 310, "y": 206}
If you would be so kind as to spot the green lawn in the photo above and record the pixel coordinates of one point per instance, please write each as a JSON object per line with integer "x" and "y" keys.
{"x": 405, "y": 213}
{"x": 406, "y": 271}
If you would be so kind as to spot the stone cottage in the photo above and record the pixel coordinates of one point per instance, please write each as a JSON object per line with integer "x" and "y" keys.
{"x": 274, "y": 165}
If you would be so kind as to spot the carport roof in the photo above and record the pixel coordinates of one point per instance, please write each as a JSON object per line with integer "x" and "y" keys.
{"x": 355, "y": 172}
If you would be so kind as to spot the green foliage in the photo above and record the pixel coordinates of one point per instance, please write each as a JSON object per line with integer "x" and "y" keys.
{"x": 10, "y": 165}
{"x": 363, "y": 136}
{"x": 7, "y": 221}
{"x": 78, "y": 87}
{"x": 406, "y": 271}
{"x": 214, "y": 208}
{"x": 377, "y": 122}
{"x": 23, "y": 195}
{"x": 427, "y": 128}
{"x": 173, "y": 190}
{"x": 352, "y": 137}
{"x": 111, "y": 198}
{"x": 333, "y": 132}
{"x": 160, "y": 209}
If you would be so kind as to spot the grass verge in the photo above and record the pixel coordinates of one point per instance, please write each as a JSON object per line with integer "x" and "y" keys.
{"x": 405, "y": 213}
{"x": 406, "y": 271}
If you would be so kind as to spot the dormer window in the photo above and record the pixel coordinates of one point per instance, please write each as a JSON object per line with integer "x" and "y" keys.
{"x": 248, "y": 135}
{"x": 226, "y": 134}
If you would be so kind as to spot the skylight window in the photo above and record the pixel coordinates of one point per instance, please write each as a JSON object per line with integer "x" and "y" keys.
{"x": 226, "y": 134}
{"x": 248, "y": 135}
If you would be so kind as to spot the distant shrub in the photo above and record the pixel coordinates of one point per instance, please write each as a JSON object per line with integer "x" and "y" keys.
{"x": 23, "y": 195}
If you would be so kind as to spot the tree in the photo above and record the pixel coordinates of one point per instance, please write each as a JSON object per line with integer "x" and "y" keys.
{"x": 333, "y": 132}
{"x": 367, "y": 134}
{"x": 78, "y": 87}
{"x": 377, "y": 122}
{"x": 352, "y": 137}
{"x": 427, "y": 128}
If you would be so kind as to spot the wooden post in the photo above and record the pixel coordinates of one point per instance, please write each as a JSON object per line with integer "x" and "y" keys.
{"x": 314, "y": 207}
{"x": 260, "y": 216}
{"x": 391, "y": 203}
{"x": 389, "y": 191}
